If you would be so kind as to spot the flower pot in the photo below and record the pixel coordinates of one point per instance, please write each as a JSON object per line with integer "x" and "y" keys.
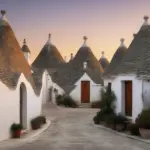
{"x": 16, "y": 133}
{"x": 145, "y": 133}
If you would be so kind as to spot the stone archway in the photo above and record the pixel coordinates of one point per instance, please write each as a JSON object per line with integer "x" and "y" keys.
{"x": 23, "y": 105}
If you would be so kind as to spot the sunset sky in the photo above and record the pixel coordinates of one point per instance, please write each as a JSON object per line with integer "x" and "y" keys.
{"x": 104, "y": 22}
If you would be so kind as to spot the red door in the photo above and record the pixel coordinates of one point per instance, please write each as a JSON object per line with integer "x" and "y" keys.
{"x": 85, "y": 91}
{"x": 128, "y": 98}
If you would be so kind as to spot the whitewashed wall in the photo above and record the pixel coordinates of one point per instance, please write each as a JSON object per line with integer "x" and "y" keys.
{"x": 60, "y": 92}
{"x": 94, "y": 89}
{"x": 47, "y": 84}
{"x": 9, "y": 111}
{"x": 118, "y": 88}
{"x": 10, "y": 106}
{"x": 106, "y": 81}
{"x": 146, "y": 94}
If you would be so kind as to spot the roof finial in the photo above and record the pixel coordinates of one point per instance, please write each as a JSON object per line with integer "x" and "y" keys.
{"x": 49, "y": 39}
{"x": 3, "y": 12}
{"x": 24, "y": 41}
{"x": 146, "y": 20}
{"x": 71, "y": 56}
{"x": 85, "y": 39}
{"x": 49, "y": 36}
{"x": 103, "y": 53}
{"x": 122, "y": 42}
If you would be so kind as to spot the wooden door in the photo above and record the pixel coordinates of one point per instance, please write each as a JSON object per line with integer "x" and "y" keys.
{"x": 128, "y": 98}
{"x": 85, "y": 91}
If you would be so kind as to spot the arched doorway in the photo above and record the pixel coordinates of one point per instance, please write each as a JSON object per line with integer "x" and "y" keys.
{"x": 23, "y": 105}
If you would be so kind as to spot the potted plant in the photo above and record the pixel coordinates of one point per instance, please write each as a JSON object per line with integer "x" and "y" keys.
{"x": 16, "y": 130}
{"x": 36, "y": 123}
{"x": 143, "y": 122}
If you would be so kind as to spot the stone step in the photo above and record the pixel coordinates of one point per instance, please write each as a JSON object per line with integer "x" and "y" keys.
{"x": 85, "y": 105}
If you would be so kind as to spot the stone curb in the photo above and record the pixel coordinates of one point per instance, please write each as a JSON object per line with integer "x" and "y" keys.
{"x": 122, "y": 134}
{"x": 27, "y": 138}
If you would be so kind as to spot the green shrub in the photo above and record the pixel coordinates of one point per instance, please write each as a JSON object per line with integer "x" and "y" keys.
{"x": 100, "y": 117}
{"x": 134, "y": 129}
{"x": 37, "y": 122}
{"x": 143, "y": 120}
{"x": 96, "y": 104}
{"x": 110, "y": 119}
{"x": 107, "y": 106}
{"x": 69, "y": 102}
{"x": 108, "y": 99}
{"x": 120, "y": 119}
{"x": 66, "y": 101}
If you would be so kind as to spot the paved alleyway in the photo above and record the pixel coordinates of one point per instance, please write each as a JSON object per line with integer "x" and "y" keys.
{"x": 72, "y": 129}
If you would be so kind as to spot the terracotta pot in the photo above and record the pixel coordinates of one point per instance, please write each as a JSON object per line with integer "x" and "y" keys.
{"x": 145, "y": 133}
{"x": 16, "y": 134}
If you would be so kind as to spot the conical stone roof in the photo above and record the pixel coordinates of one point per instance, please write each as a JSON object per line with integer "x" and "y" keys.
{"x": 11, "y": 57}
{"x": 116, "y": 59}
{"x": 137, "y": 60}
{"x": 25, "y": 48}
{"x": 103, "y": 61}
{"x": 49, "y": 57}
{"x": 85, "y": 54}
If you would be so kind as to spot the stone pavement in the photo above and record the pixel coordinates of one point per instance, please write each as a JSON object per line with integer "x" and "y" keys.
{"x": 72, "y": 129}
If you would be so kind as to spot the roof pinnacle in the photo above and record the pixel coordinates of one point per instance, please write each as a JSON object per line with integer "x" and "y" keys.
{"x": 85, "y": 39}
{"x": 145, "y": 20}
{"x": 3, "y": 12}
{"x": 24, "y": 41}
{"x": 122, "y": 42}
{"x": 103, "y": 53}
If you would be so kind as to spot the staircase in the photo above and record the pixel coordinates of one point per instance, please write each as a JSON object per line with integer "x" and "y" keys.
{"x": 85, "y": 105}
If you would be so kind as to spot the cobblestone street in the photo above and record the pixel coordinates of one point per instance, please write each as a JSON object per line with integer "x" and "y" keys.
{"x": 72, "y": 129}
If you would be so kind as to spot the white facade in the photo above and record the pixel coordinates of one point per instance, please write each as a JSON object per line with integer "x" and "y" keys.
{"x": 140, "y": 93}
{"x": 31, "y": 103}
{"x": 10, "y": 106}
{"x": 49, "y": 89}
{"x": 94, "y": 89}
